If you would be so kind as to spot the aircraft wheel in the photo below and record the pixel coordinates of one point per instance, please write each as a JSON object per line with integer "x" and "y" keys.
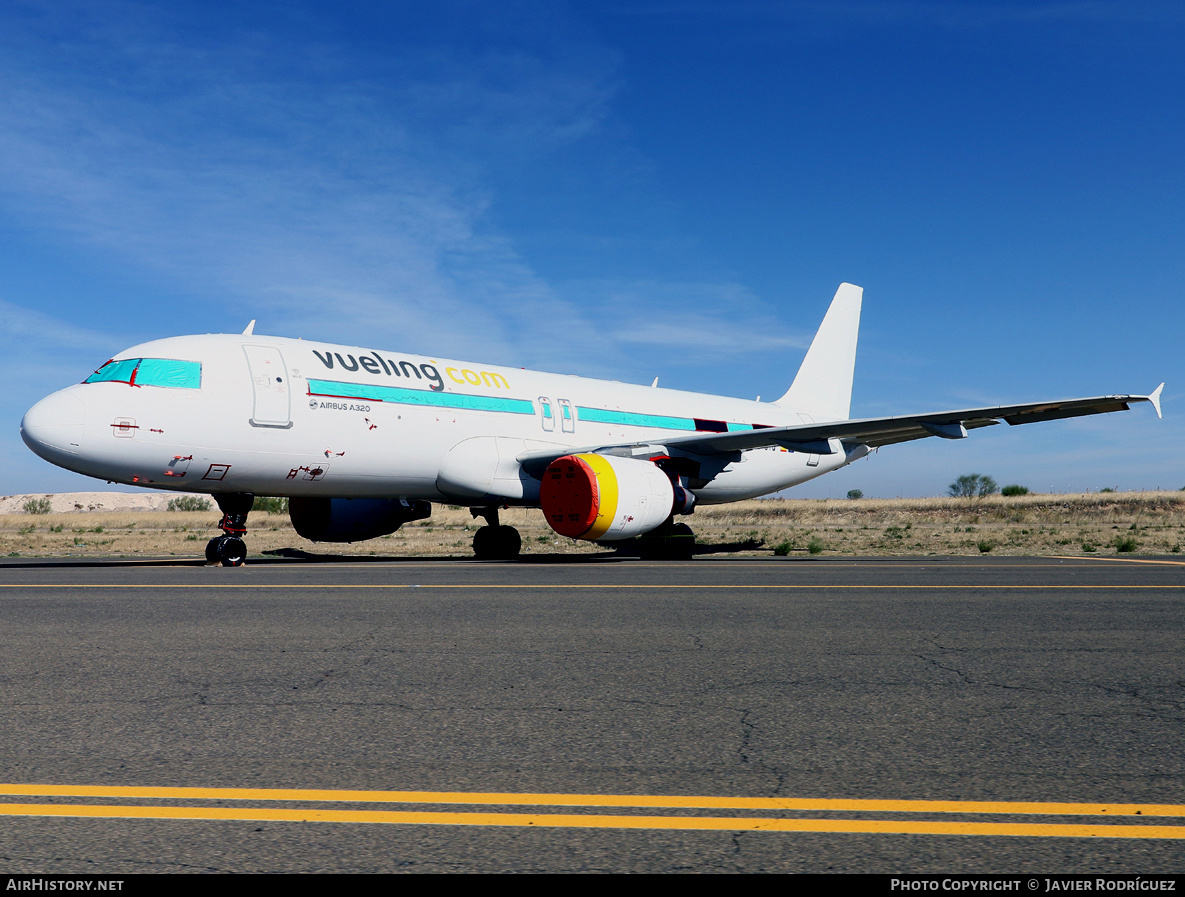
{"x": 230, "y": 551}
{"x": 510, "y": 542}
{"x": 675, "y": 542}
{"x": 682, "y": 542}
{"x": 485, "y": 546}
{"x": 496, "y": 543}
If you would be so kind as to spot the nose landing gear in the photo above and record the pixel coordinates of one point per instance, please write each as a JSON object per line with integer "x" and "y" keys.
{"x": 229, "y": 549}
{"x": 494, "y": 542}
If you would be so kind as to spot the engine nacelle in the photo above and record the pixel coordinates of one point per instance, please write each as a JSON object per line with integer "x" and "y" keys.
{"x": 603, "y": 498}
{"x": 352, "y": 519}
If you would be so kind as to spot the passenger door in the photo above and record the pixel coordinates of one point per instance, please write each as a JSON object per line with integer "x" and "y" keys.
{"x": 269, "y": 383}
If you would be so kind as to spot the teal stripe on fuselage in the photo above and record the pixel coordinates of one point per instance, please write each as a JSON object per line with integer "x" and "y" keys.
{"x": 399, "y": 395}
{"x": 634, "y": 419}
{"x": 630, "y": 418}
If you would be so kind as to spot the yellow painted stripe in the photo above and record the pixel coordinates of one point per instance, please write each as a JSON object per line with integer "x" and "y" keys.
{"x": 687, "y": 587}
{"x": 606, "y": 495}
{"x": 1125, "y": 561}
{"x": 565, "y": 820}
{"x": 504, "y": 798}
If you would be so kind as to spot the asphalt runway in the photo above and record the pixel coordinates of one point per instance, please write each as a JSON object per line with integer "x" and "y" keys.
{"x": 898, "y": 715}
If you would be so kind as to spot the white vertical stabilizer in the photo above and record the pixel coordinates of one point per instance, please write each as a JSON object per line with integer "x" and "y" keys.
{"x": 823, "y": 386}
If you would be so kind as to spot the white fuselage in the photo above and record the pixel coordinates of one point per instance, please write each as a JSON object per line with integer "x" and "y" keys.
{"x": 275, "y": 416}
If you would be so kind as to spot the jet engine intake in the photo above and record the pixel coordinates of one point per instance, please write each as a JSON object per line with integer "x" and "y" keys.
{"x": 353, "y": 519}
{"x": 603, "y": 498}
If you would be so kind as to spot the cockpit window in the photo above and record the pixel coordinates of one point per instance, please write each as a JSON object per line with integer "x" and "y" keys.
{"x": 165, "y": 372}
{"x": 119, "y": 371}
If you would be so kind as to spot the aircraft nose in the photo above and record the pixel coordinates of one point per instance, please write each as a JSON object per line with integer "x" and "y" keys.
{"x": 54, "y": 426}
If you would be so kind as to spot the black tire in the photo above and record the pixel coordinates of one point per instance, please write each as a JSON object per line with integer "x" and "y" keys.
{"x": 510, "y": 543}
{"x": 497, "y": 543}
{"x": 232, "y": 551}
{"x": 212, "y": 549}
{"x": 485, "y": 544}
{"x": 671, "y": 543}
{"x": 682, "y": 542}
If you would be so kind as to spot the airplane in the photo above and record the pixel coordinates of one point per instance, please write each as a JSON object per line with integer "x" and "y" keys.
{"x": 362, "y": 440}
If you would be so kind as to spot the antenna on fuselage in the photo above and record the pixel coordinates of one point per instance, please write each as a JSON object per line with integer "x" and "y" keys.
{"x": 250, "y": 331}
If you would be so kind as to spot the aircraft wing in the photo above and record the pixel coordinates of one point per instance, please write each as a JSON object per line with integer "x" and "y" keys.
{"x": 873, "y": 432}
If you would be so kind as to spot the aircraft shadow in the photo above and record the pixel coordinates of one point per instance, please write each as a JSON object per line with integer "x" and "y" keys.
{"x": 282, "y": 556}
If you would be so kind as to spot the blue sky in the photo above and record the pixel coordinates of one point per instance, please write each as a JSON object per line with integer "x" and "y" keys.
{"x": 619, "y": 190}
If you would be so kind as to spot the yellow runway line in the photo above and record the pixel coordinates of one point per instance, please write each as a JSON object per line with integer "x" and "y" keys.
{"x": 1124, "y": 561}
{"x": 564, "y": 820}
{"x": 502, "y": 798}
{"x": 1021, "y": 587}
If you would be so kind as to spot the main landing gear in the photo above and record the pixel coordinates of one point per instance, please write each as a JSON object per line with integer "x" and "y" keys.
{"x": 230, "y": 550}
{"x": 670, "y": 542}
{"x": 494, "y": 542}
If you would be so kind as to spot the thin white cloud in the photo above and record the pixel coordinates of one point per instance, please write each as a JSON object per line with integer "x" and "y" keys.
{"x": 25, "y": 330}
{"x": 327, "y": 198}
{"x": 701, "y": 317}
{"x": 962, "y": 15}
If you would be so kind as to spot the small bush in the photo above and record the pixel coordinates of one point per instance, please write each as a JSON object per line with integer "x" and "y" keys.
{"x": 1089, "y": 547}
{"x": 973, "y": 485}
{"x": 1106, "y": 489}
{"x": 38, "y": 505}
{"x": 270, "y": 504}
{"x": 1015, "y": 490}
{"x": 984, "y": 546}
{"x": 855, "y": 494}
{"x": 783, "y": 548}
{"x": 189, "y": 503}
{"x": 815, "y": 546}
{"x": 1125, "y": 543}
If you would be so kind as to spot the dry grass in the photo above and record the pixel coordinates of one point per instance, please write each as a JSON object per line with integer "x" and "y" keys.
{"x": 1154, "y": 522}
{"x": 1022, "y": 525}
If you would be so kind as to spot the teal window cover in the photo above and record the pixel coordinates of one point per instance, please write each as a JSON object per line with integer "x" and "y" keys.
{"x": 377, "y": 393}
{"x": 166, "y": 372}
{"x": 170, "y": 373}
{"x": 632, "y": 419}
{"x": 117, "y": 371}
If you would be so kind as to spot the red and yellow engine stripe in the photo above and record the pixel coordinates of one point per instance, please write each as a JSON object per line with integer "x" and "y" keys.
{"x": 579, "y": 495}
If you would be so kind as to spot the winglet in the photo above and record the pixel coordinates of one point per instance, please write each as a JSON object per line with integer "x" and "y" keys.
{"x": 250, "y": 331}
{"x": 1155, "y": 400}
{"x": 823, "y": 385}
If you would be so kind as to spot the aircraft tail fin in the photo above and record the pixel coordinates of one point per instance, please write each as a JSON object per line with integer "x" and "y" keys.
{"x": 823, "y": 385}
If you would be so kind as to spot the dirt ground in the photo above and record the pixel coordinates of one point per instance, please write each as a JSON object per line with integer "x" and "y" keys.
{"x": 1071, "y": 525}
